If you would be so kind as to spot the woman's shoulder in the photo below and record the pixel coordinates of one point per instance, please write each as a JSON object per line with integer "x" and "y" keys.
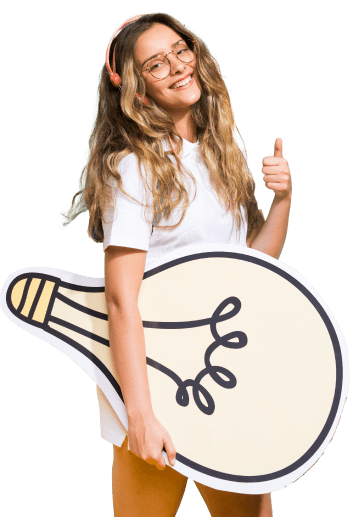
{"x": 133, "y": 178}
{"x": 128, "y": 169}
{"x": 128, "y": 162}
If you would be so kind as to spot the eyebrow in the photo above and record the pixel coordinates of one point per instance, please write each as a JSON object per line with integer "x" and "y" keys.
{"x": 149, "y": 59}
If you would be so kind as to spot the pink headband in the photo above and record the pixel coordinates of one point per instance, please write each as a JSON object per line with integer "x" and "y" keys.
{"x": 114, "y": 77}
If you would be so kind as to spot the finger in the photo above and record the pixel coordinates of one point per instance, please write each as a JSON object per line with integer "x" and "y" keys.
{"x": 271, "y": 186}
{"x": 272, "y": 178}
{"x": 160, "y": 462}
{"x": 274, "y": 186}
{"x": 278, "y": 148}
{"x": 150, "y": 461}
{"x": 272, "y": 169}
{"x": 272, "y": 160}
{"x": 170, "y": 450}
{"x": 156, "y": 464}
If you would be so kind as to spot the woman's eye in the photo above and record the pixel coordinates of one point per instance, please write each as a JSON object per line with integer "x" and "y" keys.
{"x": 182, "y": 50}
{"x": 156, "y": 65}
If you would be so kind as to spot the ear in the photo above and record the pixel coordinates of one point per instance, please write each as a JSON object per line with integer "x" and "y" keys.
{"x": 144, "y": 100}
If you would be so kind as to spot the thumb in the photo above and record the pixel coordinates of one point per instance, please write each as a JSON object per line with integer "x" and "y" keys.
{"x": 170, "y": 450}
{"x": 278, "y": 148}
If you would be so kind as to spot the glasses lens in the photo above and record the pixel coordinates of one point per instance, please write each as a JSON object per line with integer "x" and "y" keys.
{"x": 184, "y": 53}
{"x": 159, "y": 68}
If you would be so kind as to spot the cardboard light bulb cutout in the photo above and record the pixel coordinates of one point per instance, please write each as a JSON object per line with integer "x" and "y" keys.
{"x": 248, "y": 370}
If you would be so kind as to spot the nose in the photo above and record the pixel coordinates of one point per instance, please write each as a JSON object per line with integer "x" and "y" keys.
{"x": 176, "y": 64}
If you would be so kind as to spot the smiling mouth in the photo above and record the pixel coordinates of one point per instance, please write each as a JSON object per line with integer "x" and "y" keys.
{"x": 188, "y": 81}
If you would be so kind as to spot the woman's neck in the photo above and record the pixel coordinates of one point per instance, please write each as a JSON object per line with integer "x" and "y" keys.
{"x": 185, "y": 125}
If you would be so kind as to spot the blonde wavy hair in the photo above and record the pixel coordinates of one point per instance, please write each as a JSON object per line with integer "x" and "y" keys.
{"x": 124, "y": 125}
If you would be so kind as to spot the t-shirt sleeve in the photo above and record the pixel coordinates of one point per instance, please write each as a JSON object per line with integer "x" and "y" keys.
{"x": 124, "y": 222}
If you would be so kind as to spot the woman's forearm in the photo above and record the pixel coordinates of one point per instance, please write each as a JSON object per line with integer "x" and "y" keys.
{"x": 271, "y": 237}
{"x": 128, "y": 351}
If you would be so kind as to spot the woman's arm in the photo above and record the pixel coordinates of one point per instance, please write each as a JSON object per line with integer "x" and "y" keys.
{"x": 124, "y": 269}
{"x": 271, "y": 237}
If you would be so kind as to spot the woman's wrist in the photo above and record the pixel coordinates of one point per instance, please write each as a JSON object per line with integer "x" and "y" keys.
{"x": 139, "y": 413}
{"x": 287, "y": 197}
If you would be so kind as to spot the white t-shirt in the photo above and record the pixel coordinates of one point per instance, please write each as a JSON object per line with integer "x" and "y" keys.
{"x": 126, "y": 225}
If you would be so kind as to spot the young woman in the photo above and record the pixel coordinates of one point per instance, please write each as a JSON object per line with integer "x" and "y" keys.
{"x": 163, "y": 151}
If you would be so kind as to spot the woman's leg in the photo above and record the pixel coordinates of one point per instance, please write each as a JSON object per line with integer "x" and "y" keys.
{"x": 230, "y": 504}
{"x": 141, "y": 490}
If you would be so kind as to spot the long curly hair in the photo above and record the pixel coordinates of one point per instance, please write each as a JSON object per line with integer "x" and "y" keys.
{"x": 124, "y": 125}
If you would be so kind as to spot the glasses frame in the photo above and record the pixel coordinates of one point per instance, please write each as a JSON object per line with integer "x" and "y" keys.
{"x": 169, "y": 62}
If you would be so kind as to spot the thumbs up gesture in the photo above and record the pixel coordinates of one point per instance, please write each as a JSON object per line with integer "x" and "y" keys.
{"x": 276, "y": 172}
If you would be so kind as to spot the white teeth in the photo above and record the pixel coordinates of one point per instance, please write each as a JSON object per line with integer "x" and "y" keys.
{"x": 182, "y": 83}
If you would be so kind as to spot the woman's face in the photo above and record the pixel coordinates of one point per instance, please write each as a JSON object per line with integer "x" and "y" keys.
{"x": 160, "y": 39}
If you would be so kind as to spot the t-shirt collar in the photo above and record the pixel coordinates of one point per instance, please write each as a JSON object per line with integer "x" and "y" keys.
{"x": 187, "y": 146}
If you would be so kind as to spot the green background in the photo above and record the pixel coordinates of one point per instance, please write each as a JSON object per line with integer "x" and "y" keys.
{"x": 291, "y": 68}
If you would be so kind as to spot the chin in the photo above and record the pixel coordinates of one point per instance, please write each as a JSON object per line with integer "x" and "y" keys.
{"x": 190, "y": 99}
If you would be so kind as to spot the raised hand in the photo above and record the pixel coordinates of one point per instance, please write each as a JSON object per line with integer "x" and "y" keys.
{"x": 276, "y": 172}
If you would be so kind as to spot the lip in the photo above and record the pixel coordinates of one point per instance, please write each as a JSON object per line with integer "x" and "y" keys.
{"x": 182, "y": 79}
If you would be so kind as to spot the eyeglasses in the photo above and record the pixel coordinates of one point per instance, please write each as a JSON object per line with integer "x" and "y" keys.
{"x": 159, "y": 67}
